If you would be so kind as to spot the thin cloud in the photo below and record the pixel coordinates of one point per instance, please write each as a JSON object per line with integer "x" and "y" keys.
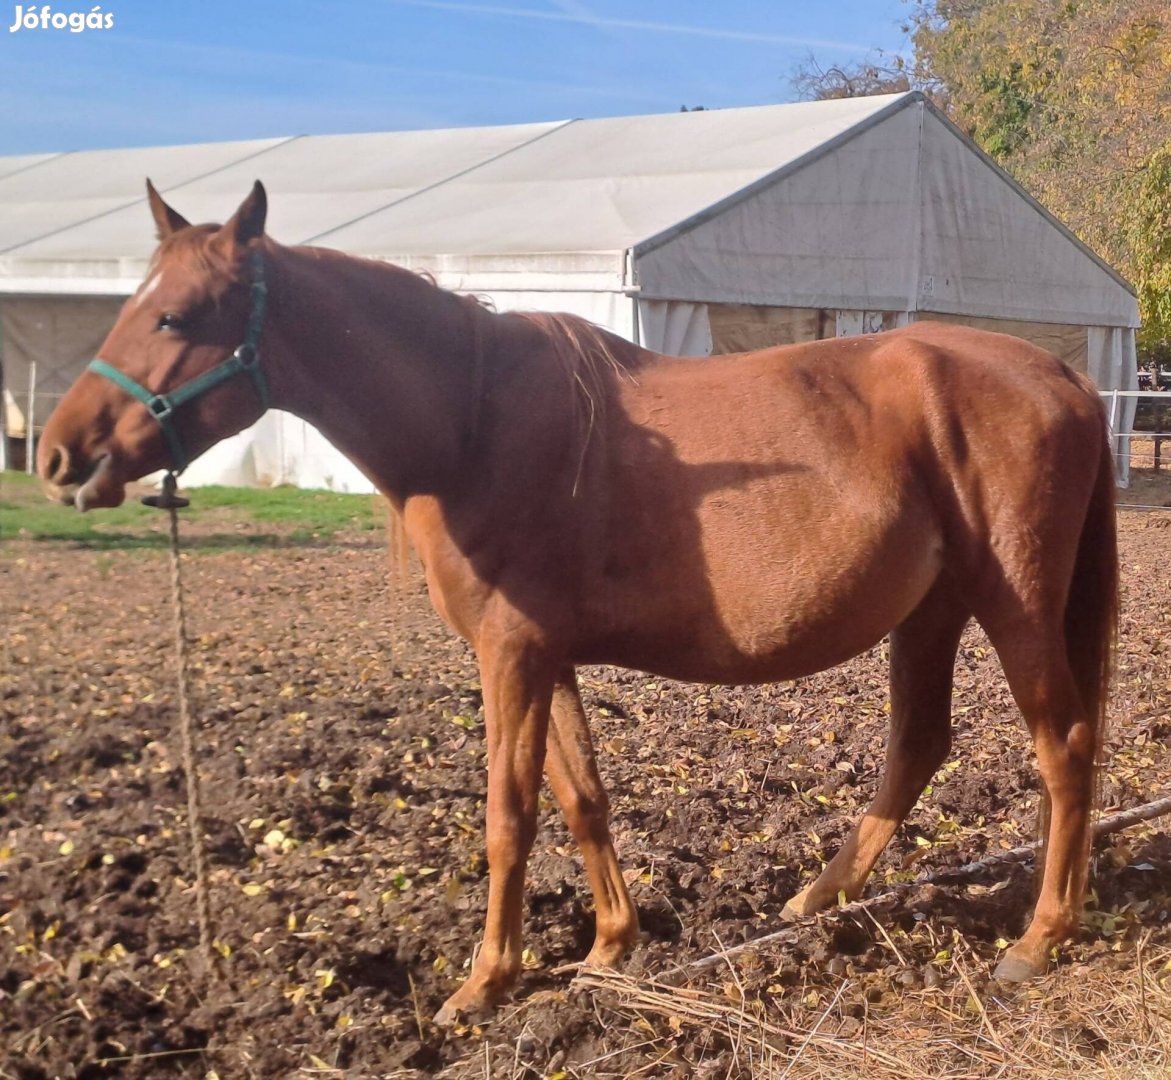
{"x": 251, "y": 61}
{"x": 605, "y": 21}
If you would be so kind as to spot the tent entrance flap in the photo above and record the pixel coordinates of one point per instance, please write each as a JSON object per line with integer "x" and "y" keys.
{"x": 675, "y": 327}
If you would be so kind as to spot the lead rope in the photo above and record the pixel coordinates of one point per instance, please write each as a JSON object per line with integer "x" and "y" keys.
{"x": 171, "y": 502}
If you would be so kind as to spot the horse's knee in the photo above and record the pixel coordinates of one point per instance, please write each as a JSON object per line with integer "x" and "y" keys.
{"x": 509, "y": 837}
{"x": 1067, "y": 758}
{"x": 1081, "y": 741}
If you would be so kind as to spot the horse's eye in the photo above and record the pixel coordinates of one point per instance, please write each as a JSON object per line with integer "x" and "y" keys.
{"x": 171, "y": 321}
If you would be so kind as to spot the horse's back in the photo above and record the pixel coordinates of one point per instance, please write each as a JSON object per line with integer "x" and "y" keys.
{"x": 866, "y": 415}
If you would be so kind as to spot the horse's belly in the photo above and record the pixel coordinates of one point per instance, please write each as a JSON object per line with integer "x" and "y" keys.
{"x": 781, "y": 607}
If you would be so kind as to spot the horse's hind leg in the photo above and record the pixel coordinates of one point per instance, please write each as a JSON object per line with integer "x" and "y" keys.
{"x": 1066, "y": 740}
{"x": 573, "y": 775}
{"x": 922, "y": 661}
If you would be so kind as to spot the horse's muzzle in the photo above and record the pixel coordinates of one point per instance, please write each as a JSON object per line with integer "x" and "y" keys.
{"x": 98, "y": 488}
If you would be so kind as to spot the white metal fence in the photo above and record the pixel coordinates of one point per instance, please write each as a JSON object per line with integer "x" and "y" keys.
{"x": 1129, "y": 422}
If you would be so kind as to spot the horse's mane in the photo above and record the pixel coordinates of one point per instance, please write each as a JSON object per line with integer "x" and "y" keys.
{"x": 589, "y": 358}
{"x": 587, "y": 355}
{"x": 585, "y": 351}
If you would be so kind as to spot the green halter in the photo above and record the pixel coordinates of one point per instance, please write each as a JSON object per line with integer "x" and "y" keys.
{"x": 244, "y": 361}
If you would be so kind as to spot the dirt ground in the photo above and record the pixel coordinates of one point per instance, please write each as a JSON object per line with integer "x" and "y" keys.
{"x": 1148, "y": 487}
{"x": 342, "y": 757}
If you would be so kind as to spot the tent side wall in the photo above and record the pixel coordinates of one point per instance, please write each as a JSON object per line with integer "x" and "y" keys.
{"x": 989, "y": 250}
{"x": 1069, "y": 343}
{"x": 55, "y": 337}
{"x": 837, "y": 231}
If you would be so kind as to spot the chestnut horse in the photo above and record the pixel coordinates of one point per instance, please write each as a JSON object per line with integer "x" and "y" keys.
{"x": 576, "y": 499}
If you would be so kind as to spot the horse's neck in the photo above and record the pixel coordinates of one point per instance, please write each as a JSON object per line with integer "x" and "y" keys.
{"x": 380, "y": 361}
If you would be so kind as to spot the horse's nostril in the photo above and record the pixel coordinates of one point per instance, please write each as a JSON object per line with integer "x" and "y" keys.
{"x": 57, "y": 464}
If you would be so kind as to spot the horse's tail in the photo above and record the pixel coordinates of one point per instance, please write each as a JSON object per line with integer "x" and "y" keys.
{"x": 1091, "y": 611}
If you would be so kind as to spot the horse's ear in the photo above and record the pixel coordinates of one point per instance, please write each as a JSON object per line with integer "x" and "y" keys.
{"x": 167, "y": 221}
{"x": 247, "y": 223}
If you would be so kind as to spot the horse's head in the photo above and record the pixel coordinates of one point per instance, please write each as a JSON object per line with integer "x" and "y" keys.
{"x": 180, "y": 369}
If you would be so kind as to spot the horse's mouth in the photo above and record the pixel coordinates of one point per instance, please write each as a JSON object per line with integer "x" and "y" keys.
{"x": 100, "y": 488}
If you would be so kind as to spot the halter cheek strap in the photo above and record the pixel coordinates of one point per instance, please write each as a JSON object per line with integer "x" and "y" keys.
{"x": 244, "y": 361}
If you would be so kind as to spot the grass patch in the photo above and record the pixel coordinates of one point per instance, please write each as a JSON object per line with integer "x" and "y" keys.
{"x": 218, "y": 518}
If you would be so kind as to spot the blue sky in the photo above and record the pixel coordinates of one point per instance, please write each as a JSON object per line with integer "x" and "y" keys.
{"x": 209, "y": 70}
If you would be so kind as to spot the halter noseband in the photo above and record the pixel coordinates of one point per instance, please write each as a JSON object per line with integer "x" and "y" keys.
{"x": 244, "y": 361}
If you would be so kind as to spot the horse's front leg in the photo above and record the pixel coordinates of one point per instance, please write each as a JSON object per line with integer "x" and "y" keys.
{"x": 518, "y": 687}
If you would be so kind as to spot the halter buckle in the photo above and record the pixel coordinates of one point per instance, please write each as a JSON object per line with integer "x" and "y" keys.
{"x": 160, "y": 407}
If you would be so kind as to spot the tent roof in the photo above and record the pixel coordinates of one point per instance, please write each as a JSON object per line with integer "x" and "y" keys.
{"x": 575, "y": 186}
{"x": 546, "y": 204}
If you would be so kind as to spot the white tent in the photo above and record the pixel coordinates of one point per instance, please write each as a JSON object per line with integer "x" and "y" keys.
{"x": 689, "y": 232}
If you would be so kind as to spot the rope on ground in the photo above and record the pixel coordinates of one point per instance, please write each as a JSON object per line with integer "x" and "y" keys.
{"x": 1102, "y": 827}
{"x": 170, "y": 502}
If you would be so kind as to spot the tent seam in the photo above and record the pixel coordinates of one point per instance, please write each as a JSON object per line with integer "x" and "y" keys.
{"x": 35, "y": 164}
{"x": 439, "y": 183}
{"x": 920, "y": 213}
{"x": 135, "y": 202}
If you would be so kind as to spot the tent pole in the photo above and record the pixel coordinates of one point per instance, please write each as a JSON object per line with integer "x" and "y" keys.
{"x": 4, "y": 462}
{"x": 30, "y": 418}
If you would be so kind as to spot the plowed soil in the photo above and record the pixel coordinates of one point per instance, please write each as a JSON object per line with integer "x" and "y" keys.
{"x": 342, "y": 760}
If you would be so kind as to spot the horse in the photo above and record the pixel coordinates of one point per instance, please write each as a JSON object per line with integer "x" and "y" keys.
{"x": 576, "y": 499}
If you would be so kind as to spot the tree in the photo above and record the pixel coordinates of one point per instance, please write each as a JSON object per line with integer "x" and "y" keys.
{"x": 1074, "y": 98}
{"x": 1147, "y": 220}
{"x": 877, "y": 74}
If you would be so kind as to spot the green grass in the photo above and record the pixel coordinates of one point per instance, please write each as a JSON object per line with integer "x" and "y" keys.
{"x": 220, "y": 517}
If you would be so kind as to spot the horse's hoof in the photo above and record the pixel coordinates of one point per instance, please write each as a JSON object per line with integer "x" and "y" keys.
{"x": 607, "y": 957}
{"x": 468, "y": 1007}
{"x": 797, "y": 907}
{"x": 592, "y": 963}
{"x": 449, "y": 1015}
{"x": 1017, "y": 969}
